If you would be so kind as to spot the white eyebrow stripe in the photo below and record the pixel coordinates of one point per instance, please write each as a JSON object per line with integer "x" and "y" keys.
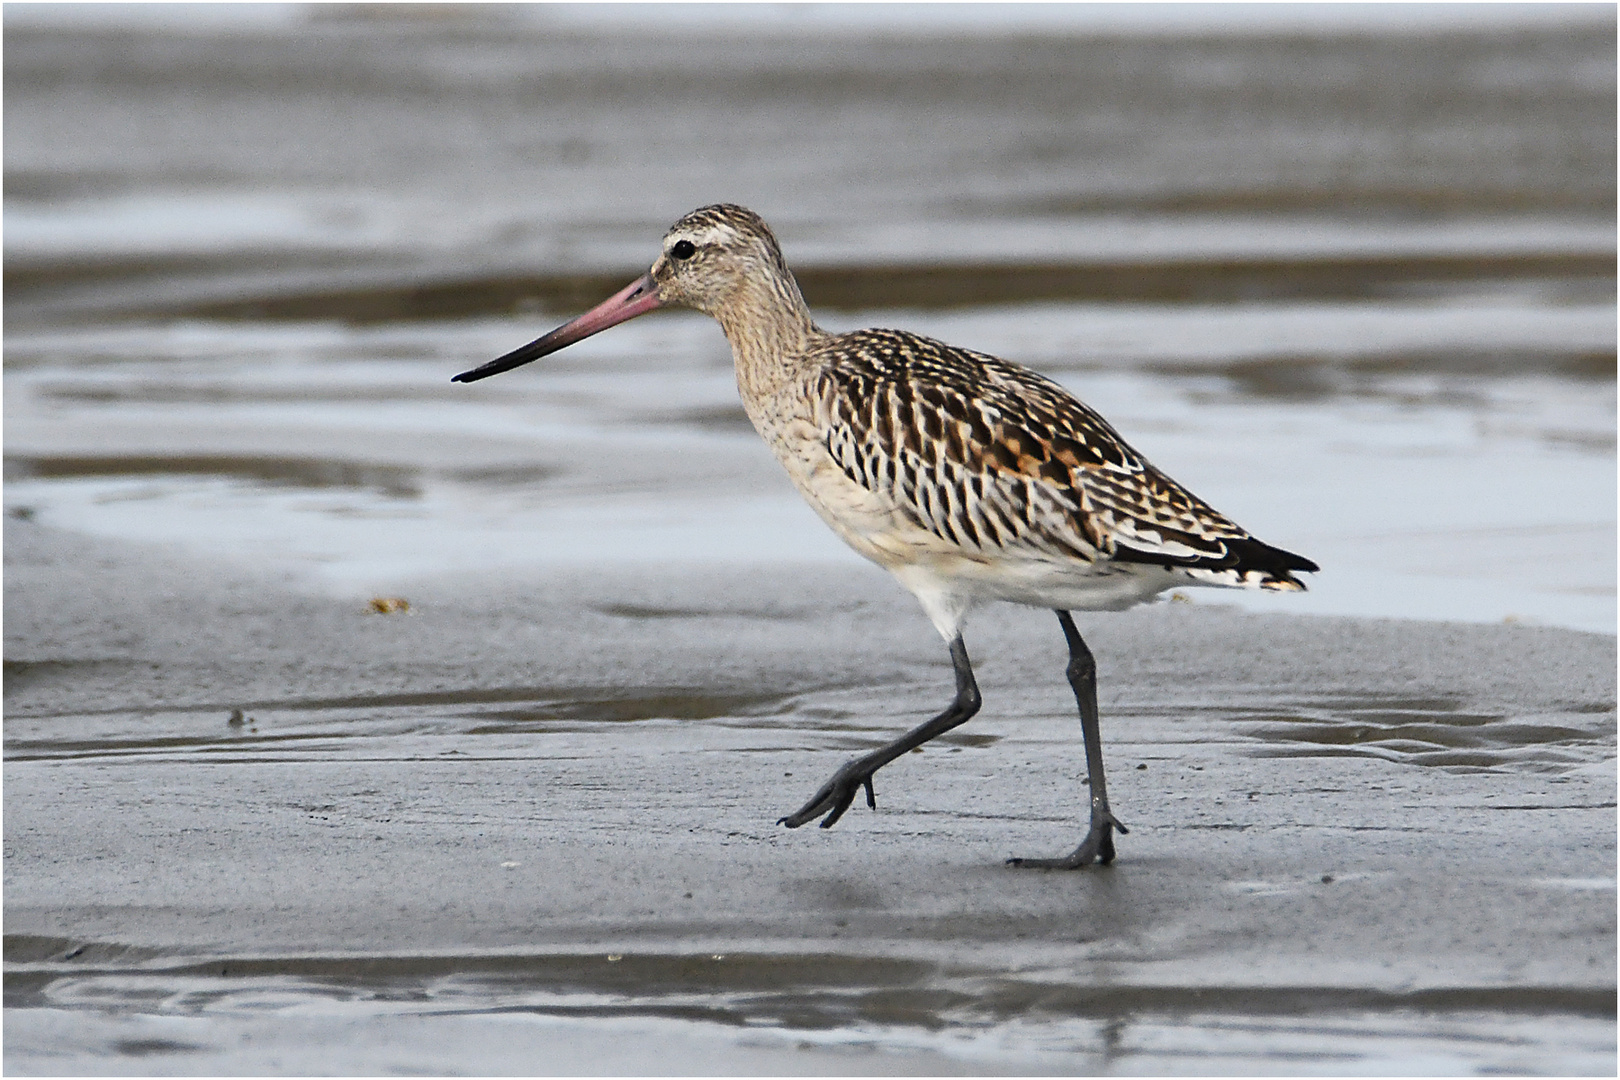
{"x": 713, "y": 236}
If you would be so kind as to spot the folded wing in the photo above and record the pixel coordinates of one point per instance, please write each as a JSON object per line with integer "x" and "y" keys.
{"x": 992, "y": 457}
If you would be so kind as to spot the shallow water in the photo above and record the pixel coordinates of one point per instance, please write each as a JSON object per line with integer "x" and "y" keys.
{"x": 1350, "y": 279}
{"x": 1417, "y": 478}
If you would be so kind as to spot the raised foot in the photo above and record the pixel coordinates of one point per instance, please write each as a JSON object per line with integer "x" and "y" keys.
{"x": 1098, "y": 846}
{"x": 834, "y": 796}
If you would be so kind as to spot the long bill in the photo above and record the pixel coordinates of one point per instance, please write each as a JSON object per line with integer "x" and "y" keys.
{"x": 636, "y": 298}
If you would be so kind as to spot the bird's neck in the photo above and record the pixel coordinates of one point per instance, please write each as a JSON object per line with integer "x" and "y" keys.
{"x": 769, "y": 327}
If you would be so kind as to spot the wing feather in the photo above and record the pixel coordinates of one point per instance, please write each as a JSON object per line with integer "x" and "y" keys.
{"x": 992, "y": 457}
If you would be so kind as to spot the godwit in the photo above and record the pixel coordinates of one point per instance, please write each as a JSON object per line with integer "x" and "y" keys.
{"x": 966, "y": 477}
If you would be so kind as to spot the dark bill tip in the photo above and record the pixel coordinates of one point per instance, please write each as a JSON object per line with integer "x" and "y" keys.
{"x": 636, "y": 298}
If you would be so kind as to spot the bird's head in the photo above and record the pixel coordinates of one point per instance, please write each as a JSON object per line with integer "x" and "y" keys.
{"x": 716, "y": 260}
{"x": 713, "y": 256}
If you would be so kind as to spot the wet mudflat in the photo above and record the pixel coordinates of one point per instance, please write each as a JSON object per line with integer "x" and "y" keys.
{"x": 1354, "y": 286}
{"x": 529, "y": 826}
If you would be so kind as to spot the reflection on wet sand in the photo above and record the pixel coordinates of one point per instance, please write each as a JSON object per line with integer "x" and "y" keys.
{"x": 1433, "y": 732}
{"x": 392, "y": 481}
{"x": 810, "y": 991}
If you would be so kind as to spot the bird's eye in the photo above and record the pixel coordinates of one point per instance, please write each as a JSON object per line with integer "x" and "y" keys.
{"x": 683, "y": 249}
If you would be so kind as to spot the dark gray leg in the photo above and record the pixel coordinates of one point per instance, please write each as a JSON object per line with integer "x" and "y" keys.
{"x": 1098, "y": 845}
{"x": 836, "y": 794}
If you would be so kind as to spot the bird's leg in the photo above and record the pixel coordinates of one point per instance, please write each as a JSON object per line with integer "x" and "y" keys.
{"x": 836, "y": 794}
{"x": 1098, "y": 846}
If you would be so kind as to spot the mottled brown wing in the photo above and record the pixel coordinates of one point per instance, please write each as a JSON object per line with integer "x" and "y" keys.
{"x": 993, "y": 457}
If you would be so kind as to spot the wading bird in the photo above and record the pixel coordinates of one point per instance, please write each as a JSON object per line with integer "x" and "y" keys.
{"x": 968, "y": 478}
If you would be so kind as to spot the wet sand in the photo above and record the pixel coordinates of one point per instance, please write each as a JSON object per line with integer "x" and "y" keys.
{"x": 1351, "y": 282}
{"x": 528, "y": 827}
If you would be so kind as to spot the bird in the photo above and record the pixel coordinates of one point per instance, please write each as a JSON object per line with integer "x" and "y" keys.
{"x": 969, "y": 478}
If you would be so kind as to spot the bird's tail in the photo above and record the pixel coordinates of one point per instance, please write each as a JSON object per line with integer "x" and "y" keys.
{"x": 1258, "y": 565}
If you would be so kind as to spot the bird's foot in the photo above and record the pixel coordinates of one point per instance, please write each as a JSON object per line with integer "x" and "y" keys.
{"x": 835, "y": 796}
{"x": 1098, "y": 846}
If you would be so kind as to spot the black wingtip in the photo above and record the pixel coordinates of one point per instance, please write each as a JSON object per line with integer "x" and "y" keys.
{"x": 1243, "y": 554}
{"x": 1255, "y": 554}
